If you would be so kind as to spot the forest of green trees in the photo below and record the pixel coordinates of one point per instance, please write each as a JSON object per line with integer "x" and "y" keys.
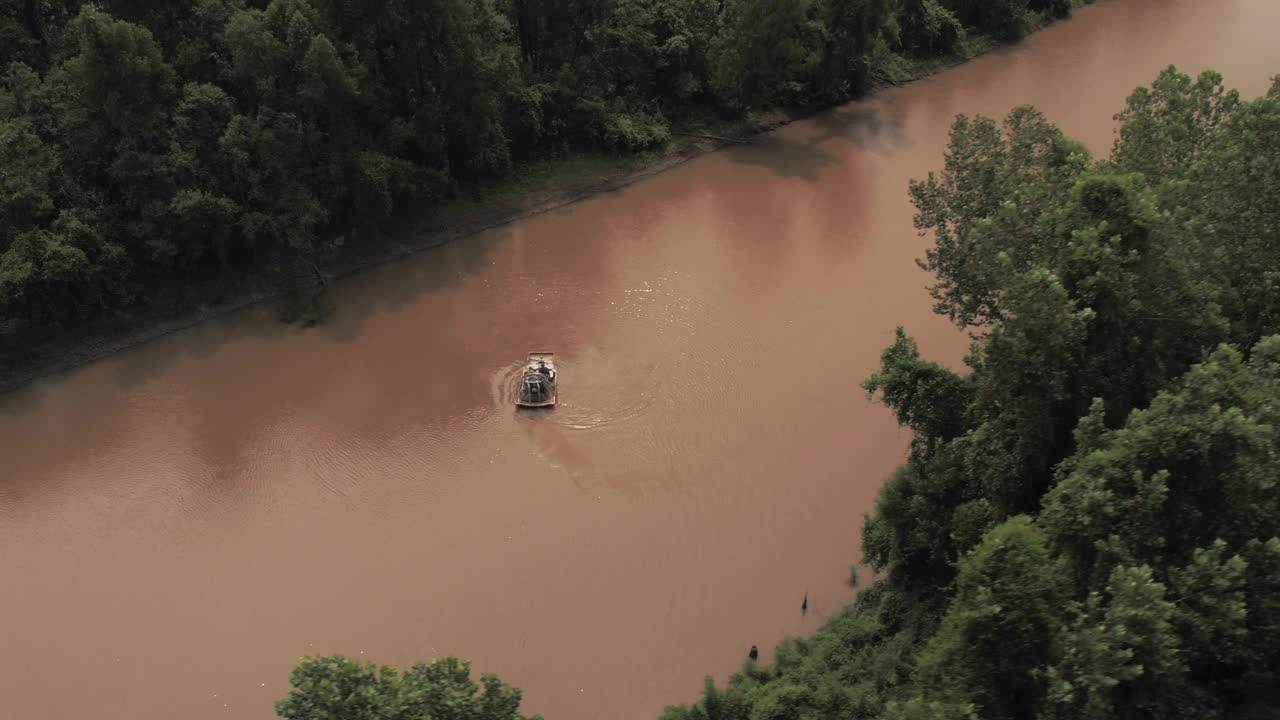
{"x": 1088, "y": 524}
{"x": 145, "y": 143}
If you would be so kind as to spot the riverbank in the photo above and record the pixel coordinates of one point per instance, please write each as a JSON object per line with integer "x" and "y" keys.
{"x": 531, "y": 189}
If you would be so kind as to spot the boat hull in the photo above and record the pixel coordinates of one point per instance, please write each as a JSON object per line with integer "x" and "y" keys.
{"x": 525, "y": 399}
{"x": 529, "y": 405}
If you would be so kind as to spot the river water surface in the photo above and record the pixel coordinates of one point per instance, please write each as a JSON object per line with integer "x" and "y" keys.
{"x": 180, "y": 523}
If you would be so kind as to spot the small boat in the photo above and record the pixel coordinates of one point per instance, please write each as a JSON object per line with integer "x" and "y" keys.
{"x": 537, "y": 386}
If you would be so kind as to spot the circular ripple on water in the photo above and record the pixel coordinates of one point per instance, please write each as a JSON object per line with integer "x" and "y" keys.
{"x": 502, "y": 385}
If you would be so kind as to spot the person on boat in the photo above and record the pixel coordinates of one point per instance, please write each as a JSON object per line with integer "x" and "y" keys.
{"x": 542, "y": 368}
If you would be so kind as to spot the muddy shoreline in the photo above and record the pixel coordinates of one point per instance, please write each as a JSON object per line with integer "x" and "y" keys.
{"x": 64, "y": 350}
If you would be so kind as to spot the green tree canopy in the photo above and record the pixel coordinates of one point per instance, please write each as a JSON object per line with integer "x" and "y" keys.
{"x": 337, "y": 688}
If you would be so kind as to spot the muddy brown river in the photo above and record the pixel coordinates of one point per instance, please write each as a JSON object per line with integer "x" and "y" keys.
{"x": 180, "y": 523}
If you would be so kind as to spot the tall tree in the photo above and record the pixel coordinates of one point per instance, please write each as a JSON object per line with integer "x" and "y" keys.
{"x": 767, "y": 51}
{"x": 1002, "y": 627}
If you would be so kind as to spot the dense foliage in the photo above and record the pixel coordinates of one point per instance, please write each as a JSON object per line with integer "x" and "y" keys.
{"x": 1088, "y": 524}
{"x": 146, "y": 143}
{"x": 337, "y": 688}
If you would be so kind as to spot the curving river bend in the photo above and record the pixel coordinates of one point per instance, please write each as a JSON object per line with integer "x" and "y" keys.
{"x": 180, "y": 523}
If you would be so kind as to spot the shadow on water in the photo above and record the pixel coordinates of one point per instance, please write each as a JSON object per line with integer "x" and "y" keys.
{"x": 134, "y": 365}
{"x": 354, "y": 299}
{"x": 201, "y": 341}
{"x": 863, "y": 124}
{"x": 25, "y": 399}
{"x": 392, "y": 287}
{"x": 783, "y": 156}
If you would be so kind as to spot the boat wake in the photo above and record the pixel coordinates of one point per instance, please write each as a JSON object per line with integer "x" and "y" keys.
{"x": 593, "y": 394}
{"x": 502, "y": 385}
